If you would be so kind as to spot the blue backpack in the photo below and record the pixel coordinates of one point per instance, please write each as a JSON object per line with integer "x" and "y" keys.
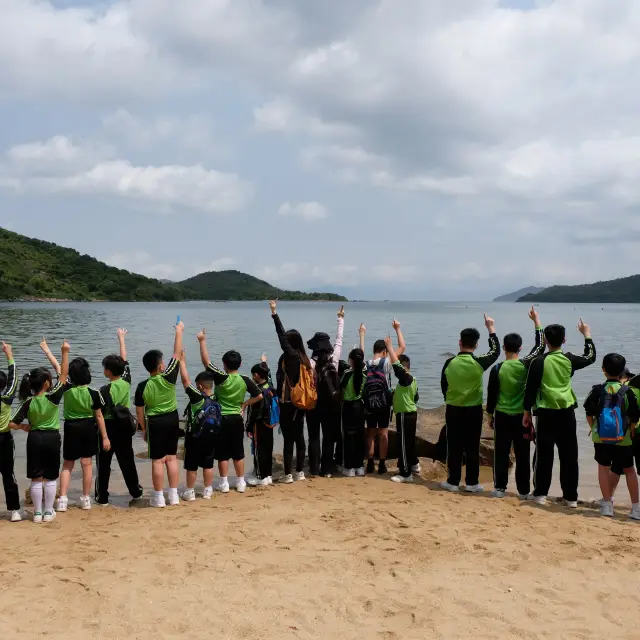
{"x": 208, "y": 420}
{"x": 612, "y": 421}
{"x": 271, "y": 407}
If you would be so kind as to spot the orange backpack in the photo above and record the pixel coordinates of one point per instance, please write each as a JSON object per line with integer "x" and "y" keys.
{"x": 304, "y": 395}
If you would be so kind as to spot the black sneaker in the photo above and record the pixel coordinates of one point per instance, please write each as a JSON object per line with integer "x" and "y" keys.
{"x": 371, "y": 466}
{"x": 382, "y": 467}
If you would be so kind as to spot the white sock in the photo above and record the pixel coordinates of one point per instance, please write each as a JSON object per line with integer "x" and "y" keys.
{"x": 36, "y": 496}
{"x": 223, "y": 479}
{"x": 209, "y": 486}
{"x": 173, "y": 492}
{"x": 49, "y": 494}
{"x": 158, "y": 494}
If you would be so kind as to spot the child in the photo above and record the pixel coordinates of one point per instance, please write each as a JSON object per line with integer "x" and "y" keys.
{"x": 404, "y": 406}
{"x": 120, "y": 425}
{"x": 40, "y": 408}
{"x": 199, "y": 444}
{"x": 82, "y": 412}
{"x": 353, "y": 416}
{"x": 231, "y": 389}
{"x": 616, "y": 400}
{"x": 505, "y": 399}
{"x": 461, "y": 383}
{"x": 549, "y": 390}
{"x": 378, "y": 419}
{"x": 260, "y": 426}
{"x": 157, "y": 412}
{"x": 8, "y": 385}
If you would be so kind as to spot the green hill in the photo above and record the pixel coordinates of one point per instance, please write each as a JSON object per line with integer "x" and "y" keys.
{"x": 33, "y": 269}
{"x": 516, "y": 295}
{"x": 620, "y": 290}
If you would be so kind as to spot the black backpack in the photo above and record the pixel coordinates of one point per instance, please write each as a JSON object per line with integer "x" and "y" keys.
{"x": 377, "y": 391}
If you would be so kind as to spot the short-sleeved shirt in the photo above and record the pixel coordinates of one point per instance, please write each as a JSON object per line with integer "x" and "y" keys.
{"x": 41, "y": 412}
{"x": 196, "y": 401}
{"x": 386, "y": 367}
{"x": 6, "y": 398}
{"x": 81, "y": 402}
{"x": 347, "y": 385}
{"x": 231, "y": 390}
{"x": 406, "y": 394}
{"x": 592, "y": 409}
{"x": 157, "y": 394}
{"x": 117, "y": 392}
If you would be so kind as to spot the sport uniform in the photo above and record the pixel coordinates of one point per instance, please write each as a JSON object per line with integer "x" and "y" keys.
{"x": 405, "y": 397}
{"x": 80, "y": 428}
{"x": 43, "y": 442}
{"x": 549, "y": 390}
{"x": 505, "y": 401}
{"x": 461, "y": 384}
{"x": 7, "y": 446}
{"x": 157, "y": 395}
{"x": 259, "y": 426}
{"x": 198, "y": 451}
{"x": 380, "y": 419}
{"x": 636, "y": 439}
{"x": 353, "y": 420}
{"x": 230, "y": 391}
{"x": 120, "y": 434}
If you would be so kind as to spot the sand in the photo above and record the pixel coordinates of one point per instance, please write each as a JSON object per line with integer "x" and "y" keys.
{"x": 328, "y": 558}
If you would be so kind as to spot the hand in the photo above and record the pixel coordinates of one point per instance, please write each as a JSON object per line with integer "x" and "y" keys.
{"x": 584, "y": 329}
{"x": 180, "y": 327}
{"x": 121, "y": 333}
{"x": 341, "y": 312}
{"x": 527, "y": 421}
{"x": 144, "y": 435}
{"x": 491, "y": 422}
{"x": 6, "y": 348}
{"x": 534, "y": 315}
{"x": 273, "y": 306}
{"x": 489, "y": 323}
{"x": 66, "y": 347}
{"x": 387, "y": 342}
{"x": 26, "y": 427}
{"x": 202, "y": 336}
{"x": 362, "y": 330}
{"x": 44, "y": 346}
{"x": 243, "y": 407}
{"x": 263, "y": 357}
{"x": 395, "y": 324}
{"x": 106, "y": 444}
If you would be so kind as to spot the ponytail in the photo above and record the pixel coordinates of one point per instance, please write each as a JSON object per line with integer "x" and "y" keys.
{"x": 33, "y": 382}
{"x": 357, "y": 358}
{"x": 24, "y": 390}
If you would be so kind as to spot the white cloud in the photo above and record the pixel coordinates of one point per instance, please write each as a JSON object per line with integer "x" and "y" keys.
{"x": 293, "y": 274}
{"x": 395, "y": 273}
{"x": 307, "y": 210}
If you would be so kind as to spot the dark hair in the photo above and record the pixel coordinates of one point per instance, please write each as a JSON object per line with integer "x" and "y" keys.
{"x": 232, "y": 360}
{"x": 261, "y": 370}
{"x": 469, "y": 338}
{"x": 115, "y": 364}
{"x": 151, "y": 360}
{"x": 205, "y": 378}
{"x": 379, "y": 346}
{"x": 79, "y": 372}
{"x": 295, "y": 341}
{"x": 512, "y": 343}
{"x": 3, "y": 380}
{"x": 404, "y": 360}
{"x": 555, "y": 335}
{"x": 357, "y": 357}
{"x": 33, "y": 382}
{"x": 614, "y": 364}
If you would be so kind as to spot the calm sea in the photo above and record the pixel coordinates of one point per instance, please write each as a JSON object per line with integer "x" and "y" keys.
{"x": 431, "y": 330}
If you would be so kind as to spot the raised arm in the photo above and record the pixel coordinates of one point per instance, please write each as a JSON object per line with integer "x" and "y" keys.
{"x": 337, "y": 347}
{"x": 538, "y": 348}
{"x": 177, "y": 342}
{"x": 12, "y": 377}
{"x": 64, "y": 369}
{"x": 401, "y": 345}
{"x": 403, "y": 376}
{"x": 489, "y": 358}
{"x": 362, "y": 332}
{"x": 184, "y": 374}
{"x": 50, "y": 357}
{"x": 123, "y": 347}
{"x": 589, "y": 355}
{"x": 204, "y": 353}
{"x": 287, "y": 349}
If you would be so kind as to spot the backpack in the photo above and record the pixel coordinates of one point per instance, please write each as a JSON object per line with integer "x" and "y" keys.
{"x": 612, "y": 421}
{"x": 377, "y": 392}
{"x": 208, "y": 420}
{"x": 304, "y": 395}
{"x": 271, "y": 407}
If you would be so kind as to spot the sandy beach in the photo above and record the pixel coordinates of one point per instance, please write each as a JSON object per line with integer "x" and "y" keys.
{"x": 327, "y": 558}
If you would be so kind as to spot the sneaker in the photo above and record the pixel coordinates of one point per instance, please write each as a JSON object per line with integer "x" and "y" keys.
{"x": 339, "y": 468}
{"x": 606, "y": 509}
{"x": 174, "y": 498}
{"x": 416, "y": 468}
{"x": 207, "y": 493}
{"x": 299, "y": 475}
{"x": 540, "y": 500}
{"x": 635, "y": 512}
{"x": 498, "y": 493}
{"x": 524, "y": 496}
{"x": 571, "y": 504}
{"x": 16, "y": 516}
{"x": 223, "y": 486}
{"x": 474, "y": 488}
{"x": 286, "y": 479}
{"x": 349, "y": 473}
{"x": 37, "y": 517}
{"x": 360, "y": 471}
{"x": 402, "y": 479}
{"x": 371, "y": 466}
{"x": 158, "y": 502}
{"x": 382, "y": 468}
{"x": 454, "y": 488}
{"x": 103, "y": 503}
{"x": 326, "y": 475}
{"x": 241, "y": 485}
{"x": 269, "y": 480}
{"x": 189, "y": 495}
{"x": 63, "y": 504}
{"x": 264, "y": 482}
{"x": 84, "y": 503}
{"x": 49, "y": 516}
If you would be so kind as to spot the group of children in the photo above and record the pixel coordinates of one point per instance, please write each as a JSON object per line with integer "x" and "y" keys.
{"x": 347, "y": 407}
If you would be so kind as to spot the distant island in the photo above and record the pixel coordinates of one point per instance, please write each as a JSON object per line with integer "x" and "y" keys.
{"x": 610, "y": 291}
{"x": 32, "y": 269}
{"x": 516, "y": 295}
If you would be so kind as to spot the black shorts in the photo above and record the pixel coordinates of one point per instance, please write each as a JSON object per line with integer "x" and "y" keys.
{"x": 614, "y": 456}
{"x": 162, "y": 435}
{"x": 80, "y": 439}
{"x": 198, "y": 452}
{"x": 230, "y": 443}
{"x": 379, "y": 419}
{"x": 43, "y": 454}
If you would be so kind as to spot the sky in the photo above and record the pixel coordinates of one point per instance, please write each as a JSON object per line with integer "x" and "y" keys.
{"x": 384, "y": 149}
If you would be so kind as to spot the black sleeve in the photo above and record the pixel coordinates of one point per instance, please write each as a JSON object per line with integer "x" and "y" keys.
{"x": 592, "y": 403}
{"x": 126, "y": 376}
{"x": 332, "y": 381}
{"x": 21, "y": 412}
{"x": 138, "y": 399}
{"x": 252, "y": 387}
{"x": 170, "y": 374}
{"x": 416, "y": 398}
{"x": 282, "y": 337}
{"x": 489, "y": 358}
{"x": 11, "y": 386}
{"x": 538, "y": 348}
{"x": 55, "y": 395}
{"x": 444, "y": 383}
{"x": 586, "y": 359}
{"x": 105, "y": 392}
{"x": 97, "y": 401}
{"x": 405, "y": 379}
{"x": 193, "y": 394}
{"x": 633, "y": 411}
{"x": 219, "y": 377}
{"x": 493, "y": 390}
{"x": 346, "y": 376}
{"x": 534, "y": 380}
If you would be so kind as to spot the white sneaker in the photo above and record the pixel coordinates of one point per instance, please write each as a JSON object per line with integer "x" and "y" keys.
{"x": 37, "y": 517}
{"x": 299, "y": 475}
{"x": 635, "y": 512}
{"x": 84, "y": 503}
{"x": 63, "y": 504}
{"x": 571, "y": 504}
{"x": 416, "y": 468}
{"x": 497, "y": 493}
{"x": 207, "y": 493}
{"x": 174, "y": 498}
{"x": 241, "y": 485}
{"x": 474, "y": 488}
{"x": 158, "y": 503}
{"x": 360, "y": 472}
{"x": 349, "y": 473}
{"x": 188, "y": 495}
{"x": 606, "y": 509}
{"x": 223, "y": 486}
{"x": 264, "y": 482}
{"x": 16, "y": 516}
{"x": 49, "y": 516}
{"x": 401, "y": 479}
{"x": 454, "y": 488}
{"x": 286, "y": 479}
{"x": 540, "y": 500}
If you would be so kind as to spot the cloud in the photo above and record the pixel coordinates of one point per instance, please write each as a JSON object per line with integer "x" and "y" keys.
{"x": 307, "y": 210}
